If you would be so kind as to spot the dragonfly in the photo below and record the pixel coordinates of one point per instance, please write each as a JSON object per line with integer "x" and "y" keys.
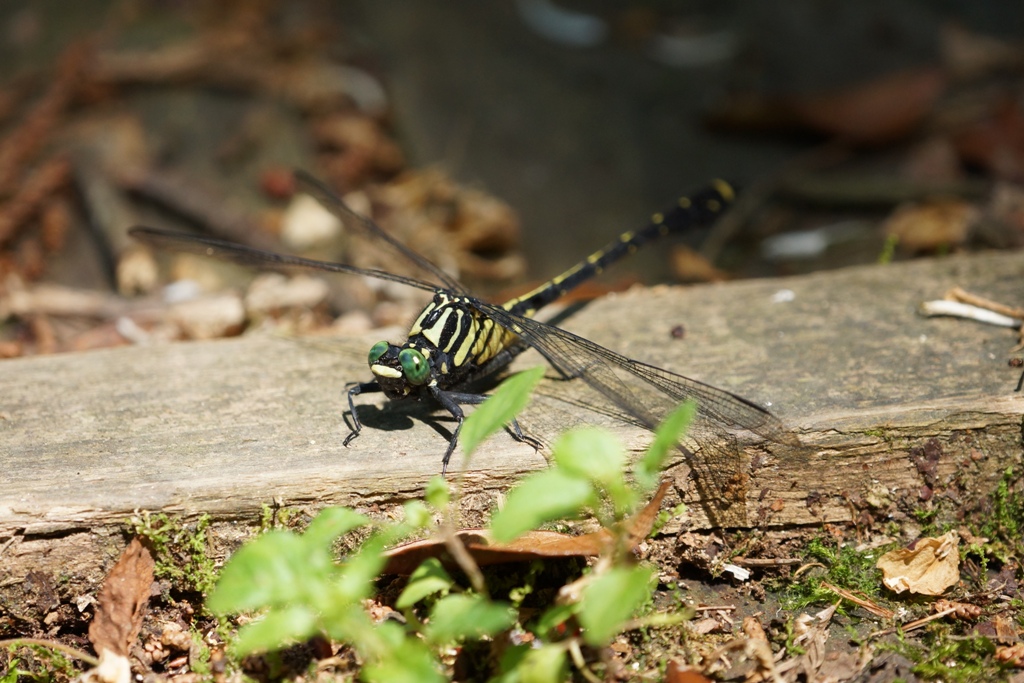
{"x": 459, "y": 340}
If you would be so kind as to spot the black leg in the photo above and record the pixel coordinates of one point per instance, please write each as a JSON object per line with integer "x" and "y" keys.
{"x": 521, "y": 437}
{"x": 355, "y": 388}
{"x": 450, "y": 402}
{"x": 476, "y": 399}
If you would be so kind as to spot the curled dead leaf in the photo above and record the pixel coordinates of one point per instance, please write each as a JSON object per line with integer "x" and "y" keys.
{"x": 120, "y": 607}
{"x": 122, "y": 601}
{"x": 403, "y": 559}
{"x": 928, "y": 568}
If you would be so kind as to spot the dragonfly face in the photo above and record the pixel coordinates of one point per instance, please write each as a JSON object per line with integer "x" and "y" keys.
{"x": 399, "y": 370}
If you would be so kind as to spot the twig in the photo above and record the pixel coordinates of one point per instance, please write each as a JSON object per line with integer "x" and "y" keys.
{"x": 766, "y": 561}
{"x": 962, "y": 304}
{"x": 311, "y": 86}
{"x": 59, "y": 301}
{"x": 14, "y": 92}
{"x": 462, "y": 557}
{"x": 22, "y": 143}
{"x": 959, "y": 309}
{"x": 914, "y": 624}
{"x": 958, "y": 294}
{"x": 42, "y": 183}
{"x": 581, "y": 664}
{"x": 53, "y": 645}
{"x": 806, "y": 568}
{"x": 870, "y": 606}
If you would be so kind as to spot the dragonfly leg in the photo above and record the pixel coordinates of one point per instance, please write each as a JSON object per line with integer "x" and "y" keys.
{"x": 519, "y": 435}
{"x": 513, "y": 425}
{"x": 355, "y": 388}
{"x": 450, "y": 402}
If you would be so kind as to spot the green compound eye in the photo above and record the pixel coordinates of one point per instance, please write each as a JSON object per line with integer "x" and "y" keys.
{"x": 378, "y": 350}
{"x": 414, "y": 366}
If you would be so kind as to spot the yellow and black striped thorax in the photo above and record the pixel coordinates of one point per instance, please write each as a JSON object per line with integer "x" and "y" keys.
{"x": 454, "y": 327}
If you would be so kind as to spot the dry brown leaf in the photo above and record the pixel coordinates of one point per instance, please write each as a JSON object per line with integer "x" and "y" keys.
{"x": 753, "y": 629}
{"x": 1006, "y": 631}
{"x": 929, "y": 568}
{"x": 122, "y": 601}
{"x": 677, "y": 672}
{"x": 932, "y": 225}
{"x": 119, "y": 611}
{"x": 403, "y": 559}
{"x": 1012, "y": 655}
{"x": 876, "y": 112}
{"x": 996, "y": 144}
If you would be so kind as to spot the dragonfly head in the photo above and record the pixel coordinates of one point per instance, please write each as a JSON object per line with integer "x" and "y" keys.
{"x": 398, "y": 369}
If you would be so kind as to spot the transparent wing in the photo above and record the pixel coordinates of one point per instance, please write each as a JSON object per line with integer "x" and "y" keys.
{"x": 249, "y": 256}
{"x": 380, "y": 238}
{"x": 433, "y": 277}
{"x": 647, "y": 394}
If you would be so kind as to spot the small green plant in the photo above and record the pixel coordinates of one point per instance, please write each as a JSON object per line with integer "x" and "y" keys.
{"x": 888, "y": 252}
{"x": 181, "y": 551}
{"x": 845, "y": 567}
{"x": 942, "y": 656}
{"x": 300, "y": 591}
{"x": 1005, "y": 522}
{"x": 45, "y": 664}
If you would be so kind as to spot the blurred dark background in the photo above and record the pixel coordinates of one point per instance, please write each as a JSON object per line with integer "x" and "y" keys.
{"x": 507, "y": 140}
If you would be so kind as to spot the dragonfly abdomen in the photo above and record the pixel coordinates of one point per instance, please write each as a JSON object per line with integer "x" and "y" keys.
{"x": 692, "y": 211}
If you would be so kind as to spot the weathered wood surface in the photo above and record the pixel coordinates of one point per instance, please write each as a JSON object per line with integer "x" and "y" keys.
{"x": 223, "y": 427}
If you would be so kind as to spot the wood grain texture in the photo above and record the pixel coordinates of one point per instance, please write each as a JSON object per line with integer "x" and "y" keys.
{"x": 224, "y": 427}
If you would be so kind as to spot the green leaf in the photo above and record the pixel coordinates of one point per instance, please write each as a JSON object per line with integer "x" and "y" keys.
{"x": 437, "y": 493}
{"x": 504, "y": 404}
{"x": 539, "y": 498}
{"x": 525, "y": 664}
{"x": 14, "y": 671}
{"x": 272, "y": 570}
{"x": 409, "y": 662}
{"x": 331, "y": 524}
{"x": 546, "y": 664}
{"x": 415, "y": 515}
{"x": 590, "y": 453}
{"x": 610, "y": 600}
{"x": 427, "y": 579}
{"x": 459, "y": 616}
{"x": 596, "y": 455}
{"x": 648, "y": 469}
{"x": 276, "y": 629}
{"x": 357, "y": 573}
{"x": 352, "y": 623}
